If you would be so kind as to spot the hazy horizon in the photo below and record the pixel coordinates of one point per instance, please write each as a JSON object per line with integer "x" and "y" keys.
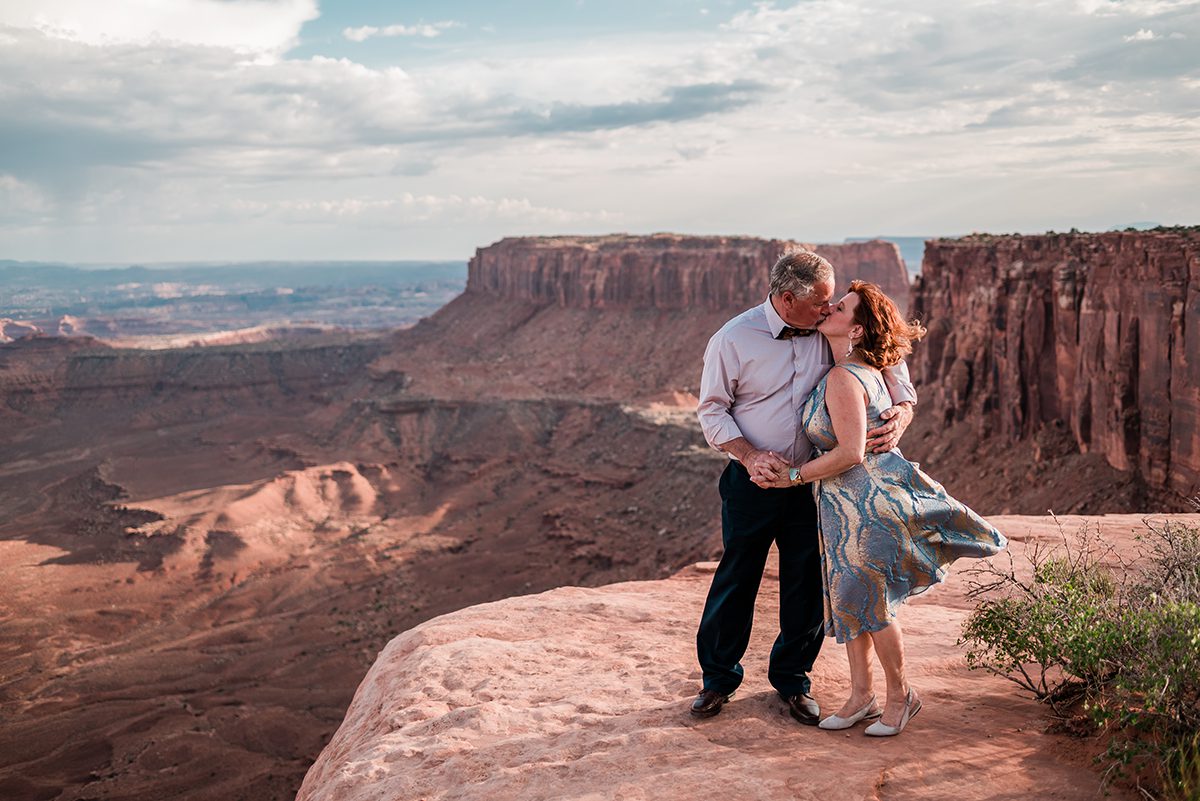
{"x": 904, "y": 243}
{"x": 217, "y": 264}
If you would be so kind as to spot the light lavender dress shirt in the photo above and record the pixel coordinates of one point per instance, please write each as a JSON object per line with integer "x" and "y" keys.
{"x": 755, "y": 385}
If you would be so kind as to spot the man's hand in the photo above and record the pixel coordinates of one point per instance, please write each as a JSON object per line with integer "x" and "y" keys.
{"x": 765, "y": 467}
{"x": 764, "y": 480}
{"x": 887, "y": 436}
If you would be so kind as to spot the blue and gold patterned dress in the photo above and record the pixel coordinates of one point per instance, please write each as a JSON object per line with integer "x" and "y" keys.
{"x": 888, "y": 531}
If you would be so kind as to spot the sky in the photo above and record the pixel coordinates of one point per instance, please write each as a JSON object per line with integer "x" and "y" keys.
{"x": 173, "y": 130}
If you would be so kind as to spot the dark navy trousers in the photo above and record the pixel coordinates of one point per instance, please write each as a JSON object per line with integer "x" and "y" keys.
{"x": 751, "y": 519}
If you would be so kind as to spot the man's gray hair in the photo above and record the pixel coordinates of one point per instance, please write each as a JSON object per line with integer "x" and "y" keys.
{"x": 798, "y": 271}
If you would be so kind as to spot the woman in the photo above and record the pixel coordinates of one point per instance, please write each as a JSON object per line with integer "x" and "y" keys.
{"x": 888, "y": 531}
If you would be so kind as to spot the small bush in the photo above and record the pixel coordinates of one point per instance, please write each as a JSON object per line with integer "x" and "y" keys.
{"x": 1055, "y": 635}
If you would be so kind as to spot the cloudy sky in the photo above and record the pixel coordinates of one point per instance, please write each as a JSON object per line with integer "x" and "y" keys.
{"x": 147, "y": 130}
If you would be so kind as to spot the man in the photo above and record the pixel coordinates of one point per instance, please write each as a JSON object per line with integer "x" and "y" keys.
{"x": 758, "y": 371}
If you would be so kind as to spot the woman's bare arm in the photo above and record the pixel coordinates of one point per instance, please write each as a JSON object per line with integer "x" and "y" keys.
{"x": 846, "y": 401}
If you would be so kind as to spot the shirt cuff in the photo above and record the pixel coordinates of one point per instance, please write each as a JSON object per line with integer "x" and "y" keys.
{"x": 721, "y": 434}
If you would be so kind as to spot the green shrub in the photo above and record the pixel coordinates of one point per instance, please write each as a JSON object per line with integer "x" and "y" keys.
{"x": 1161, "y": 679}
{"x": 1059, "y": 635}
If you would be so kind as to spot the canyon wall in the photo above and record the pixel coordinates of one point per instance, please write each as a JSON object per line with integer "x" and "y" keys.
{"x": 42, "y": 376}
{"x": 245, "y": 526}
{"x": 1099, "y": 331}
{"x": 661, "y": 271}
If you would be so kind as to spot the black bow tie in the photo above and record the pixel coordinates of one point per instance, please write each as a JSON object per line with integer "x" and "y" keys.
{"x": 788, "y": 332}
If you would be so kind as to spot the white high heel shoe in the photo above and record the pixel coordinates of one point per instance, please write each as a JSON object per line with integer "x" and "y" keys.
{"x": 835, "y": 723}
{"x": 880, "y": 729}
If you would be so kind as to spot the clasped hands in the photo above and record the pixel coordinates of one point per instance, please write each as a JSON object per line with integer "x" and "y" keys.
{"x": 769, "y": 470}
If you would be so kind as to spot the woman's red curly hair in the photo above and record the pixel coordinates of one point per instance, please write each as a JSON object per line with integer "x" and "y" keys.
{"x": 886, "y": 338}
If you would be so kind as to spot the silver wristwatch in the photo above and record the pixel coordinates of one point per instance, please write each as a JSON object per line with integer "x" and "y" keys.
{"x": 794, "y": 477}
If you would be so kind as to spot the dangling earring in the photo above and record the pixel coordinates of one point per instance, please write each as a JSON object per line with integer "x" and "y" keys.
{"x": 850, "y": 349}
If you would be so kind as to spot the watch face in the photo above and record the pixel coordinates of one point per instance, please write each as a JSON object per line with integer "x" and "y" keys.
{"x": 794, "y": 474}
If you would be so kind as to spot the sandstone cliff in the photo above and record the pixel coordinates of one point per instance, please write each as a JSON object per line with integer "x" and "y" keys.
{"x": 543, "y": 338}
{"x": 1099, "y": 331}
{"x": 583, "y": 694}
{"x": 42, "y": 376}
{"x": 662, "y": 271}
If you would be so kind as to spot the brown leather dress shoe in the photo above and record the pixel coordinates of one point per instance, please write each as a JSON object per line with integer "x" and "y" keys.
{"x": 709, "y": 703}
{"x": 804, "y": 709}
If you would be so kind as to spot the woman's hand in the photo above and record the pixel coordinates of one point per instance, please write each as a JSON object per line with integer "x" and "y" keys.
{"x": 768, "y": 480}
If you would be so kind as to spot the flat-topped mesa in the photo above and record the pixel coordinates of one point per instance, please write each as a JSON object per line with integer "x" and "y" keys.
{"x": 659, "y": 271}
{"x": 45, "y": 376}
{"x": 1100, "y": 331}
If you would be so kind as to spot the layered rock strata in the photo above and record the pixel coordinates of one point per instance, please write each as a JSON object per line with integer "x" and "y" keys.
{"x": 42, "y": 376}
{"x": 1099, "y": 331}
{"x": 662, "y": 271}
{"x": 203, "y": 549}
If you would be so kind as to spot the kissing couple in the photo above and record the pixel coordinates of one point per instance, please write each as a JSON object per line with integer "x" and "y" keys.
{"x": 809, "y": 396}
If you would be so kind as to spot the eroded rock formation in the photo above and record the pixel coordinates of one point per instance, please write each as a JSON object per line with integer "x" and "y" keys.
{"x": 523, "y": 699}
{"x": 16, "y": 329}
{"x": 1099, "y": 331}
{"x": 203, "y": 549}
{"x": 662, "y": 271}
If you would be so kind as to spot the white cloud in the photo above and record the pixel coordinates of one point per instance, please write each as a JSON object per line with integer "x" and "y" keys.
{"x": 426, "y": 30}
{"x": 22, "y": 203}
{"x": 243, "y": 25}
{"x": 864, "y": 104}
{"x": 360, "y": 34}
{"x": 409, "y": 209}
{"x": 1133, "y": 8}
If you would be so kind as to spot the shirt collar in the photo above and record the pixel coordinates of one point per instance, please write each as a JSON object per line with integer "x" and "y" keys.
{"x": 774, "y": 321}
